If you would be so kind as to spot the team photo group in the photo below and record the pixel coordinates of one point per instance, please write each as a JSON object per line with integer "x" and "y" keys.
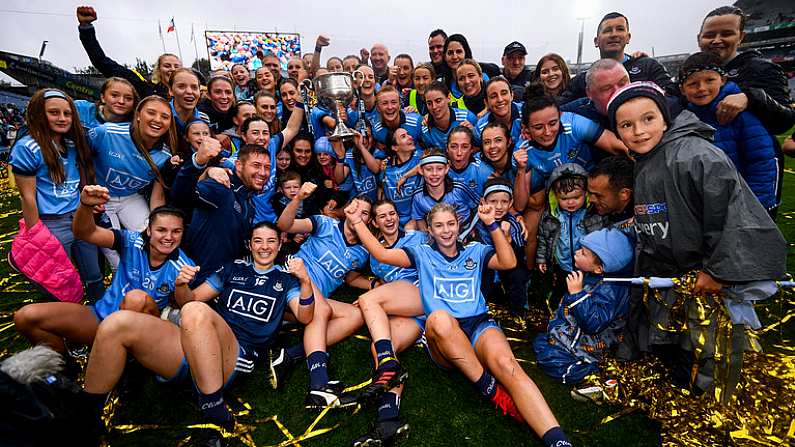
{"x": 186, "y": 219}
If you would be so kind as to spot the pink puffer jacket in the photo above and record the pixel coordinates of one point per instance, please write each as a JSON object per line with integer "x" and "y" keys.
{"x": 39, "y": 255}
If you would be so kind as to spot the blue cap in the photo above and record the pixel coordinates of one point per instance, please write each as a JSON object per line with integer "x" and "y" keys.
{"x": 323, "y": 146}
{"x": 612, "y": 247}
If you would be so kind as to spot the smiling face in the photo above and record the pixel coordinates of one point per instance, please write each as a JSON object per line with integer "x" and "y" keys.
{"x": 221, "y": 95}
{"x": 59, "y": 115}
{"x": 379, "y": 57}
{"x": 405, "y": 142}
{"x": 185, "y": 90}
{"x": 422, "y": 79}
{"x": 265, "y": 80}
{"x": 349, "y": 64}
{"x": 498, "y": 98}
{"x": 254, "y": 171}
{"x": 444, "y": 229}
{"x": 434, "y": 174}
{"x": 495, "y": 144}
{"x": 438, "y": 105}
{"x": 241, "y": 75}
{"x": 264, "y": 245}
{"x": 469, "y": 80}
{"x": 258, "y": 132}
{"x": 722, "y": 36}
{"x": 459, "y": 149}
{"x": 165, "y": 234}
{"x": 334, "y": 64}
{"x": 118, "y": 98}
{"x": 154, "y": 119}
{"x": 366, "y": 81}
{"x": 640, "y": 124}
{"x": 324, "y": 159}
{"x": 266, "y": 108}
{"x": 435, "y": 48}
{"x": 543, "y": 126}
{"x": 290, "y": 95}
{"x": 551, "y": 75}
{"x": 386, "y": 219}
{"x": 302, "y": 152}
{"x": 612, "y": 37}
{"x": 702, "y": 87}
{"x": 455, "y": 55}
{"x": 168, "y": 65}
{"x": 405, "y": 69}
{"x": 244, "y": 112}
{"x": 389, "y": 106}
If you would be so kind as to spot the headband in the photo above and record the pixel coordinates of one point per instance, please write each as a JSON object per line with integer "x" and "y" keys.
{"x": 692, "y": 70}
{"x": 53, "y": 93}
{"x": 433, "y": 159}
{"x": 498, "y": 188}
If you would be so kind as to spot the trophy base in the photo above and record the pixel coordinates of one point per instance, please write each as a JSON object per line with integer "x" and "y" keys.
{"x": 341, "y": 132}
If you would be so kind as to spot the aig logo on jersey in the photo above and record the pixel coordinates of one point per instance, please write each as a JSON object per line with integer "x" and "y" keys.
{"x": 454, "y": 290}
{"x": 251, "y": 305}
{"x": 333, "y": 265}
{"x": 123, "y": 180}
{"x": 66, "y": 189}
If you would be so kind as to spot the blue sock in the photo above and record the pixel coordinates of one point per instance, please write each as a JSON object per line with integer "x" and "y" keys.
{"x": 296, "y": 352}
{"x": 213, "y": 407}
{"x": 385, "y": 354}
{"x": 317, "y": 362}
{"x": 555, "y": 437}
{"x": 388, "y": 407}
{"x": 487, "y": 384}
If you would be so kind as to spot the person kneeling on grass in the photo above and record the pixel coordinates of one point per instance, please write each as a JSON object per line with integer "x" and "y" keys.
{"x": 458, "y": 328}
{"x": 213, "y": 343}
{"x": 592, "y": 314}
{"x": 144, "y": 282}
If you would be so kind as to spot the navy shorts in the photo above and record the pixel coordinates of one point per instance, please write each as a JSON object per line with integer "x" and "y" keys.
{"x": 246, "y": 359}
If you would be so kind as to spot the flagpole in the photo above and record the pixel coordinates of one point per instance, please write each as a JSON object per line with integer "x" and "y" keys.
{"x": 193, "y": 39}
{"x": 176, "y": 33}
{"x": 160, "y": 31}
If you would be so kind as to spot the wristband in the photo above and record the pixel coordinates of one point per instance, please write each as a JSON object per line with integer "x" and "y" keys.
{"x": 373, "y": 283}
{"x": 318, "y": 49}
{"x": 493, "y": 226}
{"x": 307, "y": 301}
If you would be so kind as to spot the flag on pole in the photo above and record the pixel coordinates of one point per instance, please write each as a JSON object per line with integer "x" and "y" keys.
{"x": 159, "y": 30}
{"x": 171, "y": 26}
{"x": 191, "y": 33}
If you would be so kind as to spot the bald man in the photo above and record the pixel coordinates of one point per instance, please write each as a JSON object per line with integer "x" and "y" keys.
{"x": 379, "y": 58}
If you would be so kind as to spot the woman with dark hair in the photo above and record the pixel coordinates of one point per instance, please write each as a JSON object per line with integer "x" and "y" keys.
{"x": 50, "y": 165}
{"x": 245, "y": 87}
{"x": 456, "y": 49}
{"x": 553, "y": 73}
{"x": 218, "y": 103}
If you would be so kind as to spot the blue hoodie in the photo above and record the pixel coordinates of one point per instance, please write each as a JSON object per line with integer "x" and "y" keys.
{"x": 748, "y": 144}
{"x": 587, "y": 324}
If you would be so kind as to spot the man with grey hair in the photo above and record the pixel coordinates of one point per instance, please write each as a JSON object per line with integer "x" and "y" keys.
{"x": 612, "y": 37}
{"x": 602, "y": 79}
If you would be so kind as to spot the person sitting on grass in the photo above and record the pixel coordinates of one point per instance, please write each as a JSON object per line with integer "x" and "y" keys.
{"x": 225, "y": 325}
{"x": 459, "y": 331}
{"x": 591, "y": 316}
{"x": 144, "y": 282}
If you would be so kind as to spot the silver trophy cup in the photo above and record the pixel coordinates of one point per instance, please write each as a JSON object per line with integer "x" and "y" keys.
{"x": 335, "y": 91}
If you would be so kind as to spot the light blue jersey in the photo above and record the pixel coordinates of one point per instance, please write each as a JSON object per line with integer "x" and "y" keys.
{"x": 432, "y": 136}
{"x": 412, "y": 122}
{"x": 117, "y": 162}
{"x": 198, "y": 114}
{"x": 263, "y": 205}
{"x": 51, "y": 198}
{"x": 576, "y": 135}
{"x": 402, "y": 198}
{"x": 486, "y": 170}
{"x": 516, "y": 124}
{"x": 364, "y": 181}
{"x": 451, "y": 284}
{"x": 469, "y": 176}
{"x": 455, "y": 194}
{"x": 135, "y": 272}
{"x": 328, "y": 256}
{"x": 390, "y": 273}
{"x": 89, "y": 114}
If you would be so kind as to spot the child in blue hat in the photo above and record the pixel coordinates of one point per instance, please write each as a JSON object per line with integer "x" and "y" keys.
{"x": 591, "y": 316}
